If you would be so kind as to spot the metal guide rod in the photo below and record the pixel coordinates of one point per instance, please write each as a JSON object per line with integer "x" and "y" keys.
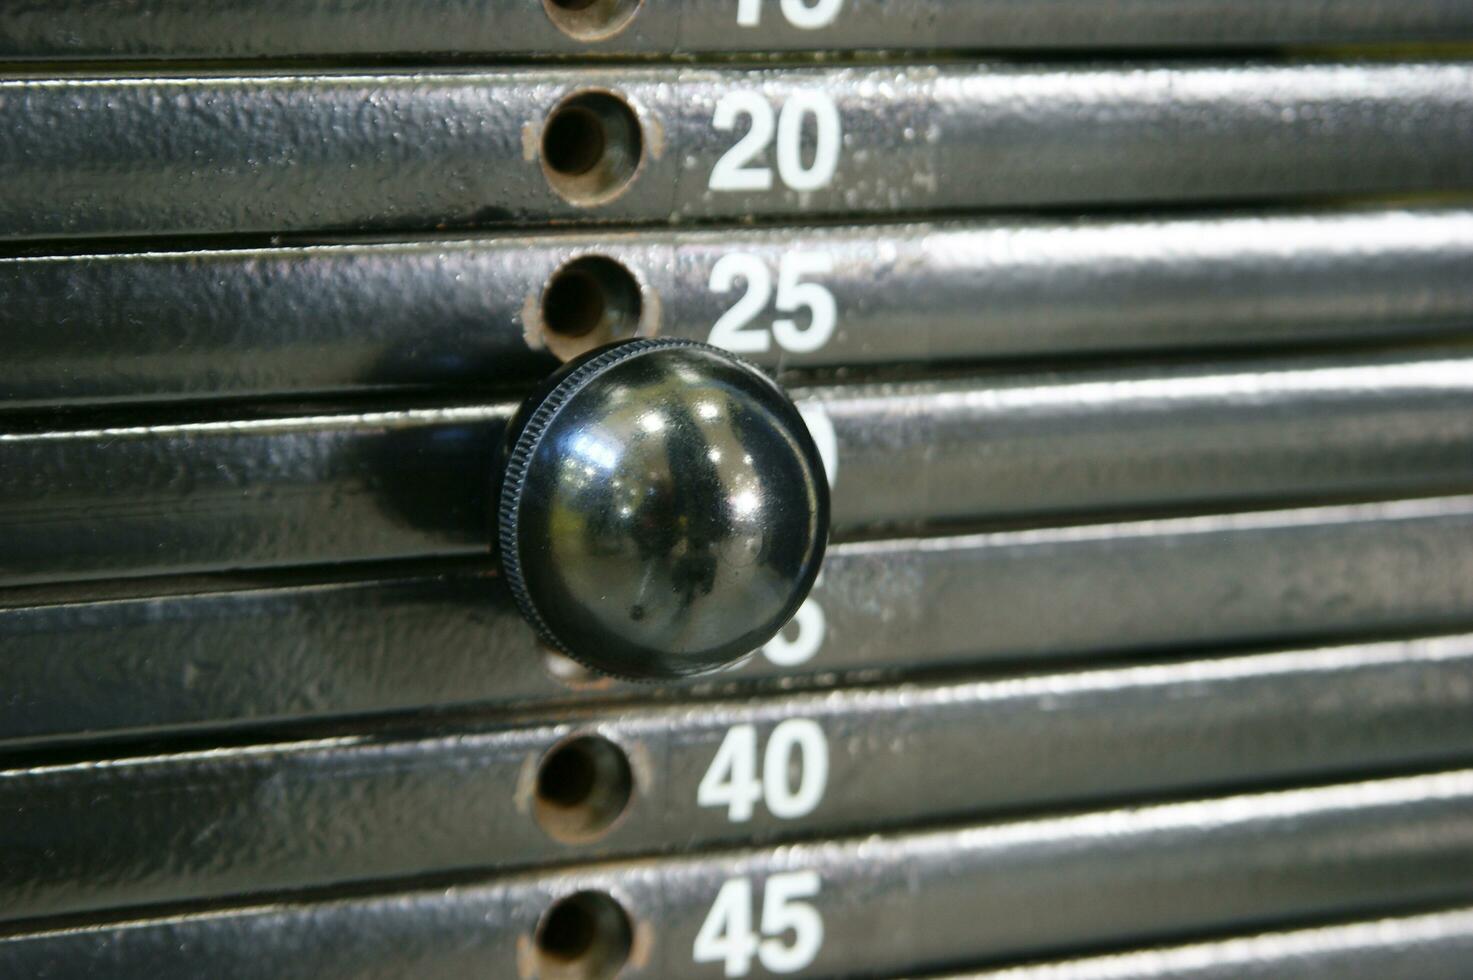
{"x": 189, "y": 825}
{"x": 246, "y": 29}
{"x": 280, "y": 153}
{"x": 259, "y": 651}
{"x": 874, "y": 904}
{"x": 1417, "y": 947}
{"x": 146, "y": 499}
{"x": 454, "y": 312}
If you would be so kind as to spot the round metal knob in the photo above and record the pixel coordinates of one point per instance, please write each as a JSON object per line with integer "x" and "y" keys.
{"x": 663, "y": 509}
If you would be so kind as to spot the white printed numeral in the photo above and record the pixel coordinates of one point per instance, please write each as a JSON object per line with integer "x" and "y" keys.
{"x": 734, "y": 330}
{"x": 727, "y": 937}
{"x": 821, "y": 428}
{"x": 735, "y": 170}
{"x": 809, "y": 627}
{"x": 807, "y": 630}
{"x": 732, "y": 780}
{"x": 802, "y": 14}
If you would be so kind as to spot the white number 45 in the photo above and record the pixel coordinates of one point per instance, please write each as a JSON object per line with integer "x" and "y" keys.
{"x": 727, "y": 937}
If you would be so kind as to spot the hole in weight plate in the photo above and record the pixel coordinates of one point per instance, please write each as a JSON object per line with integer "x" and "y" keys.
{"x": 574, "y": 142}
{"x": 591, "y": 20}
{"x": 589, "y": 302}
{"x": 585, "y": 936}
{"x": 584, "y": 784}
{"x": 591, "y": 147}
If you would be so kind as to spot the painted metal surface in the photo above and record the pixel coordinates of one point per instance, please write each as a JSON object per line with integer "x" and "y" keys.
{"x": 178, "y": 826}
{"x": 245, "y": 29}
{"x": 242, "y": 493}
{"x": 885, "y": 904}
{"x": 467, "y": 313}
{"x": 253, "y": 649}
{"x": 1420, "y": 947}
{"x": 283, "y": 153}
{"x": 281, "y": 489}
{"x": 266, "y": 710}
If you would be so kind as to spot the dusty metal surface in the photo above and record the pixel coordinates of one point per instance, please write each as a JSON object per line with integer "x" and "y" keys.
{"x": 1422, "y": 947}
{"x": 274, "y": 154}
{"x": 177, "y": 826}
{"x": 251, "y": 650}
{"x": 120, "y": 499}
{"x": 265, "y": 707}
{"x": 62, "y": 29}
{"x": 883, "y": 904}
{"x": 134, "y": 499}
{"x": 933, "y": 452}
{"x": 468, "y": 313}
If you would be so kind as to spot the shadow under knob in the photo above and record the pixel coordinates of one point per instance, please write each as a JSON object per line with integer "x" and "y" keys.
{"x": 663, "y": 509}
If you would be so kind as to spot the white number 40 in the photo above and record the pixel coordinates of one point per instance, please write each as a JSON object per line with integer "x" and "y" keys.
{"x": 793, "y": 294}
{"x": 727, "y": 937}
{"x": 732, "y": 780}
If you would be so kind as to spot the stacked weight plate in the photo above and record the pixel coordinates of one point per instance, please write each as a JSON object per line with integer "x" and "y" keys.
{"x": 1137, "y": 336}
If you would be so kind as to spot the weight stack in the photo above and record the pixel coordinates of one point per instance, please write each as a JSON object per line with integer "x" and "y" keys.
{"x": 1130, "y": 352}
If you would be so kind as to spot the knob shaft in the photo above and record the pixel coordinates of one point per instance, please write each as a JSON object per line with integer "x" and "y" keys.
{"x": 663, "y": 510}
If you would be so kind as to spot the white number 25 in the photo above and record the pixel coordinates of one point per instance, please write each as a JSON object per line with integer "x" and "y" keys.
{"x": 734, "y": 331}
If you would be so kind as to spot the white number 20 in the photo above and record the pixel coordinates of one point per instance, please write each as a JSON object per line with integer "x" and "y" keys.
{"x": 735, "y": 170}
{"x": 806, "y": 15}
{"x": 793, "y": 295}
{"x": 727, "y": 937}
{"x": 732, "y": 780}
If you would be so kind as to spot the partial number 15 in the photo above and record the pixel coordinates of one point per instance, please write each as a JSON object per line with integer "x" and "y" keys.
{"x": 806, "y": 15}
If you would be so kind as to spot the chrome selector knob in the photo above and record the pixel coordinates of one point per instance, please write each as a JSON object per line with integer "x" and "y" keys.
{"x": 663, "y": 510}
